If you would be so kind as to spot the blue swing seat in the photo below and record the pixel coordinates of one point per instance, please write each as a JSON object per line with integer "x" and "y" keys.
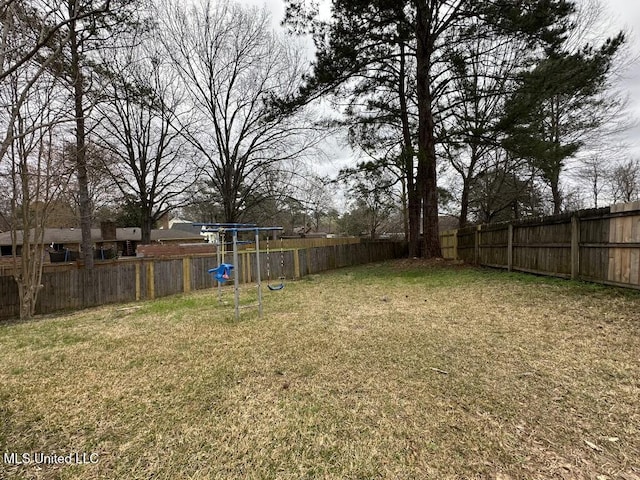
{"x": 276, "y": 287}
{"x": 221, "y": 273}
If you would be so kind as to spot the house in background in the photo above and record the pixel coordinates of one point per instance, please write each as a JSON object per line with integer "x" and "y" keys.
{"x": 63, "y": 244}
{"x": 447, "y": 222}
{"x": 166, "y": 223}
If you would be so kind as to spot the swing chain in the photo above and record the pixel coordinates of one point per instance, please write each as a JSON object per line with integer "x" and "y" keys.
{"x": 268, "y": 262}
{"x": 221, "y": 244}
{"x": 281, "y": 285}
{"x": 281, "y": 259}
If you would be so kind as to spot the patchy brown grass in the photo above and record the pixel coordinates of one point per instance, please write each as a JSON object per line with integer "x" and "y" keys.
{"x": 397, "y": 370}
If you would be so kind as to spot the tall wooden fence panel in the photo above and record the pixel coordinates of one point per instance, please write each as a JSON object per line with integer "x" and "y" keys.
{"x": 492, "y": 243}
{"x": 200, "y": 278}
{"x": 597, "y": 245}
{"x": 9, "y": 300}
{"x": 624, "y": 244}
{"x": 466, "y": 249}
{"x": 69, "y": 286}
{"x": 448, "y": 244}
{"x": 168, "y": 277}
{"x": 542, "y": 246}
{"x": 594, "y": 247}
{"x": 311, "y": 242}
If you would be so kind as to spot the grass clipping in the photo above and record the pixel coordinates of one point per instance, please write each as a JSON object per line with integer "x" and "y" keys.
{"x": 396, "y": 370}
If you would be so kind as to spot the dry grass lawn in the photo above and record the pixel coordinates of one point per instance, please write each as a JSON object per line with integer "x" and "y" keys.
{"x": 401, "y": 370}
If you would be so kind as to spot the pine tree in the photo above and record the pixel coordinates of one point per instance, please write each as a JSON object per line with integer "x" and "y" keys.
{"x": 555, "y": 106}
{"x": 362, "y": 36}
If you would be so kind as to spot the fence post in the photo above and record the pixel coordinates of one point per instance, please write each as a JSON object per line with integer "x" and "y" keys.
{"x": 151, "y": 286}
{"x": 575, "y": 247}
{"x": 138, "y": 281}
{"x": 296, "y": 263}
{"x": 249, "y": 267}
{"x": 510, "y": 247}
{"x": 476, "y": 245}
{"x": 186, "y": 274}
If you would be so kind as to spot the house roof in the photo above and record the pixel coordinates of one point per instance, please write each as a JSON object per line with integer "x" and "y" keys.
{"x": 74, "y": 235}
{"x": 447, "y": 222}
{"x": 186, "y": 227}
{"x": 179, "y": 221}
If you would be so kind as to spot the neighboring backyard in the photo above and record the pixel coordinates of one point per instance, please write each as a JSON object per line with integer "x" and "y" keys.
{"x": 397, "y": 370}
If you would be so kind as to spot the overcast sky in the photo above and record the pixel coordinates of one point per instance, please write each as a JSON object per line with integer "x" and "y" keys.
{"x": 625, "y": 14}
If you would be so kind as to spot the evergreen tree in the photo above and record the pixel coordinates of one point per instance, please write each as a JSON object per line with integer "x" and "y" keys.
{"x": 363, "y": 35}
{"x": 556, "y": 106}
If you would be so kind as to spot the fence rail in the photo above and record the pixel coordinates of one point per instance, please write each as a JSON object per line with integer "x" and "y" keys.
{"x": 598, "y": 245}
{"x": 313, "y": 242}
{"x": 70, "y": 286}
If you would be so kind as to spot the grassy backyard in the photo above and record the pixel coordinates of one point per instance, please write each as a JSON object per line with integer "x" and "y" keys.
{"x": 400, "y": 370}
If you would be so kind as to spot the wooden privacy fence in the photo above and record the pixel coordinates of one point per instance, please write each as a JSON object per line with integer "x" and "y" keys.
{"x": 311, "y": 242}
{"x": 71, "y": 287}
{"x": 598, "y": 245}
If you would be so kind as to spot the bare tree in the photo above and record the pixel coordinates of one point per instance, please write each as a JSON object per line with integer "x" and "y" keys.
{"x": 30, "y": 111}
{"x": 27, "y": 35}
{"x": 103, "y": 194}
{"x": 374, "y": 197}
{"x": 625, "y": 181}
{"x": 308, "y": 195}
{"x": 594, "y": 173}
{"x": 36, "y": 175}
{"x": 504, "y": 193}
{"x": 317, "y": 198}
{"x": 233, "y": 65}
{"x": 482, "y": 69}
{"x": 42, "y": 30}
{"x": 149, "y": 159}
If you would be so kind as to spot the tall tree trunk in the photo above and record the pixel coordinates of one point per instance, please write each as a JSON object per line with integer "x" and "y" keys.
{"x": 427, "y": 172}
{"x": 464, "y": 202}
{"x": 25, "y": 285}
{"x": 413, "y": 195}
{"x": 557, "y": 197}
{"x": 228, "y": 193}
{"x": 147, "y": 225}
{"x": 405, "y": 209}
{"x": 467, "y": 181}
{"x": 81, "y": 162}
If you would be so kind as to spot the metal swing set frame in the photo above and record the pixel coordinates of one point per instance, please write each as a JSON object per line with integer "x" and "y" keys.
{"x": 223, "y": 272}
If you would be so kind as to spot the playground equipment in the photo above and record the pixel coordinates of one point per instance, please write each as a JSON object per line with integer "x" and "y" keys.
{"x": 222, "y": 273}
{"x": 280, "y": 286}
{"x": 217, "y": 233}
